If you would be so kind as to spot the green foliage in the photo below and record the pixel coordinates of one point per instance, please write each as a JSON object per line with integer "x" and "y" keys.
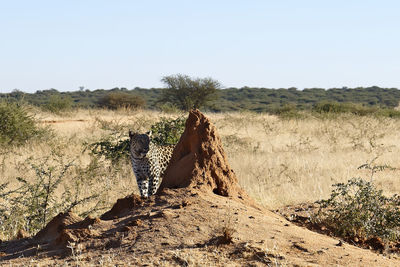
{"x": 187, "y": 93}
{"x": 358, "y": 209}
{"x": 58, "y": 104}
{"x": 167, "y": 131}
{"x": 111, "y": 148}
{"x": 116, "y": 100}
{"x": 116, "y": 147}
{"x": 17, "y": 126}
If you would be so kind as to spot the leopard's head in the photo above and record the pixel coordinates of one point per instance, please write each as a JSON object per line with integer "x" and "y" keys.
{"x": 139, "y": 144}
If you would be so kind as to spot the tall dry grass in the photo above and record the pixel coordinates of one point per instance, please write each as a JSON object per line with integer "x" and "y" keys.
{"x": 281, "y": 161}
{"x": 278, "y": 161}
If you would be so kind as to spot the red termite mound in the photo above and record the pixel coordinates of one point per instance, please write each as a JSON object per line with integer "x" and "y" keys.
{"x": 199, "y": 161}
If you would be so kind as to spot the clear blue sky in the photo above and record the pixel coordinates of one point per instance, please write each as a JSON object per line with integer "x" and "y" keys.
{"x": 129, "y": 43}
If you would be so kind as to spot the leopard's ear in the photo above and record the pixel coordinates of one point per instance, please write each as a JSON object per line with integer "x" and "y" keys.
{"x": 131, "y": 134}
{"x": 149, "y": 133}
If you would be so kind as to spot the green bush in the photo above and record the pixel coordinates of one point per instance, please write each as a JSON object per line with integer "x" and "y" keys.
{"x": 111, "y": 148}
{"x": 17, "y": 126}
{"x": 358, "y": 209}
{"x": 58, "y": 104}
{"x": 116, "y": 100}
{"x": 116, "y": 147}
{"x": 167, "y": 131}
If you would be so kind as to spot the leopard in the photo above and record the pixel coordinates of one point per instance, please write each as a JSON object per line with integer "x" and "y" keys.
{"x": 149, "y": 162}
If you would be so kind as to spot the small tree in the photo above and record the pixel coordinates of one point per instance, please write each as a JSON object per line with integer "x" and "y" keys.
{"x": 187, "y": 93}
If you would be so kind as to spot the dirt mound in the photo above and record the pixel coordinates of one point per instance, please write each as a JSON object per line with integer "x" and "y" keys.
{"x": 54, "y": 228}
{"x": 199, "y": 161}
{"x": 65, "y": 228}
{"x": 123, "y": 206}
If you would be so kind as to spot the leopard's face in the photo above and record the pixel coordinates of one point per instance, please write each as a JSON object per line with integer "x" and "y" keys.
{"x": 139, "y": 144}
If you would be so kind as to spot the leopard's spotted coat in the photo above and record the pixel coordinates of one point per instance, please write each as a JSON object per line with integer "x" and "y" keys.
{"x": 149, "y": 162}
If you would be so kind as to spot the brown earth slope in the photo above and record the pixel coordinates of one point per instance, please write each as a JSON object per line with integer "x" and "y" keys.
{"x": 200, "y": 216}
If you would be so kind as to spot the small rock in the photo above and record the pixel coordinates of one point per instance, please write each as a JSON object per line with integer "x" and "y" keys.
{"x": 125, "y": 228}
{"x": 137, "y": 222}
{"x": 22, "y": 234}
{"x": 185, "y": 203}
{"x": 166, "y": 214}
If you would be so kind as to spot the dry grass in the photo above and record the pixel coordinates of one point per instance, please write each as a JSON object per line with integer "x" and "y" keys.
{"x": 278, "y": 161}
{"x": 282, "y": 162}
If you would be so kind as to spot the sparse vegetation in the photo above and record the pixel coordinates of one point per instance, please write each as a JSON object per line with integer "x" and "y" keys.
{"x": 36, "y": 200}
{"x": 278, "y": 161}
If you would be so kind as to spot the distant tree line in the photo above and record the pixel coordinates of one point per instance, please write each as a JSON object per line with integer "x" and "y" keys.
{"x": 183, "y": 92}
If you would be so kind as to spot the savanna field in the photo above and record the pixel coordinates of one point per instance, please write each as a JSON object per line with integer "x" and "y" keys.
{"x": 279, "y": 161}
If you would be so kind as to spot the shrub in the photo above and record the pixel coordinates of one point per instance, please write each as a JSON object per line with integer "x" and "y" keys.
{"x": 168, "y": 131}
{"x": 358, "y": 209}
{"x": 35, "y": 201}
{"x": 116, "y": 100}
{"x": 116, "y": 147}
{"x": 110, "y": 148}
{"x": 58, "y": 104}
{"x": 17, "y": 126}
